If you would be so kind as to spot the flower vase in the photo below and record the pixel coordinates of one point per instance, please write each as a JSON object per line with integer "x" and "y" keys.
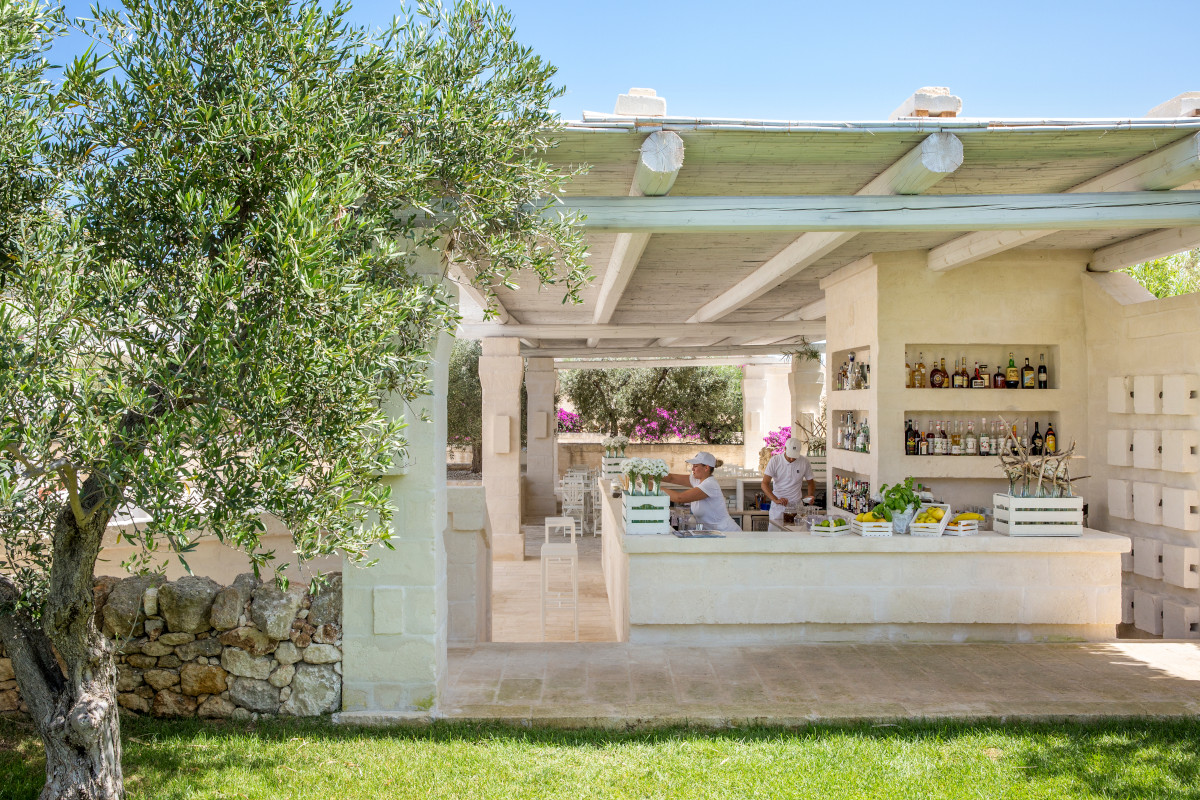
{"x": 652, "y": 485}
{"x": 608, "y": 452}
{"x": 620, "y": 452}
{"x": 639, "y": 485}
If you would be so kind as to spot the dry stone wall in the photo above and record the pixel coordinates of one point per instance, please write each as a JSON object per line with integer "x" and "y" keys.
{"x": 192, "y": 647}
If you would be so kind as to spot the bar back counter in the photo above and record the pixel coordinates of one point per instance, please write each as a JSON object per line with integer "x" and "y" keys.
{"x": 790, "y": 586}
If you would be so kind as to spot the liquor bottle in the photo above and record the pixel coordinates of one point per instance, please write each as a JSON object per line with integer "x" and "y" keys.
{"x": 908, "y": 373}
{"x": 970, "y": 443}
{"x": 923, "y": 444}
{"x": 966, "y": 376}
{"x": 1012, "y": 375}
{"x": 866, "y": 376}
{"x": 865, "y": 433}
{"x": 1035, "y": 442}
{"x": 1025, "y": 433}
{"x": 852, "y": 373}
{"x": 981, "y": 379}
{"x": 919, "y": 378}
{"x": 956, "y": 444}
{"x": 1043, "y": 377}
{"x": 998, "y": 378}
{"x": 956, "y": 377}
{"x": 910, "y": 439}
{"x": 1051, "y": 444}
{"x": 938, "y": 377}
{"x": 1028, "y": 376}
{"x": 985, "y": 441}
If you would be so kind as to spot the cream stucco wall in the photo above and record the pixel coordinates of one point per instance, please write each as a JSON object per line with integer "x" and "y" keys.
{"x": 1147, "y": 340}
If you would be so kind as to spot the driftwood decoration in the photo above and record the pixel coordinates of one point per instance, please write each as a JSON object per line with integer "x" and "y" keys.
{"x": 1030, "y": 475}
{"x": 1045, "y": 475}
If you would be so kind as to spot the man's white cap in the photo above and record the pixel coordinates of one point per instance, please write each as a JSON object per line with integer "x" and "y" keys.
{"x": 704, "y": 457}
{"x": 792, "y": 448}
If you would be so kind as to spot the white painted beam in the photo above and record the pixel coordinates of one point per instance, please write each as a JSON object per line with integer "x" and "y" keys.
{"x": 1145, "y": 248}
{"x": 642, "y": 330}
{"x": 814, "y": 310}
{"x": 1090, "y": 211}
{"x": 460, "y": 276}
{"x": 932, "y": 160}
{"x": 655, "y": 351}
{"x": 648, "y": 361}
{"x": 659, "y": 161}
{"x": 1170, "y": 167}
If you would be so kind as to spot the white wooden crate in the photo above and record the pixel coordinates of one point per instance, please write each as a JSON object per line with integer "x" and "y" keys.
{"x": 656, "y": 519}
{"x": 611, "y": 467}
{"x": 968, "y": 527}
{"x": 930, "y": 528}
{"x": 1038, "y": 516}
{"x": 870, "y": 529}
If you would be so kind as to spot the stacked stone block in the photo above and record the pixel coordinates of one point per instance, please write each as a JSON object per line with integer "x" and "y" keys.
{"x": 192, "y": 647}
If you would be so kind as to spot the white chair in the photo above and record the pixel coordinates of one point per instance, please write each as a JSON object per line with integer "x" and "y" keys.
{"x": 597, "y": 498}
{"x": 574, "y": 503}
{"x": 560, "y": 591}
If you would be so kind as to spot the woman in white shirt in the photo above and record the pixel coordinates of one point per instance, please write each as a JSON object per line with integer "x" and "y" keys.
{"x": 706, "y": 499}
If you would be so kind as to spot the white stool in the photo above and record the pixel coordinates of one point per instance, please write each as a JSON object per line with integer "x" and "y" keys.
{"x": 555, "y": 556}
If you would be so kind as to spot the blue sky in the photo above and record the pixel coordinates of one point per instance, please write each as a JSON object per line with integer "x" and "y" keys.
{"x": 765, "y": 59}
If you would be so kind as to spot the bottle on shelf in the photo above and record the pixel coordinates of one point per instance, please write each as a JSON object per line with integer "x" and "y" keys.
{"x": 956, "y": 377}
{"x": 1028, "y": 376}
{"x": 998, "y": 378}
{"x": 1035, "y": 441}
{"x": 923, "y": 441}
{"x": 980, "y": 379}
{"x": 965, "y": 376}
{"x": 938, "y": 377}
{"x": 985, "y": 441}
{"x": 919, "y": 376}
{"x": 908, "y": 373}
{"x": 1043, "y": 376}
{"x": 943, "y": 440}
{"x": 1012, "y": 375}
{"x": 1051, "y": 443}
{"x": 852, "y": 373}
{"x": 956, "y": 438}
{"x": 910, "y": 439}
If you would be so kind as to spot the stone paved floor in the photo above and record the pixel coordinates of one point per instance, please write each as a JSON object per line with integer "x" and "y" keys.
{"x": 619, "y": 684}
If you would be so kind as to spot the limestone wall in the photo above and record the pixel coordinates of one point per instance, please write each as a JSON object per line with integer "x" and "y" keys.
{"x": 192, "y": 647}
{"x": 468, "y": 566}
{"x": 586, "y": 454}
{"x": 1150, "y": 493}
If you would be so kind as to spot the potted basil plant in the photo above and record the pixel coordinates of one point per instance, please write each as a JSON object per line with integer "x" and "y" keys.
{"x": 899, "y": 504}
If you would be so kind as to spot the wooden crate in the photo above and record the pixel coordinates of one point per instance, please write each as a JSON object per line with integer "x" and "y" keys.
{"x": 871, "y": 529}
{"x": 610, "y": 468}
{"x": 930, "y": 528}
{"x": 1038, "y": 516}
{"x": 646, "y": 520}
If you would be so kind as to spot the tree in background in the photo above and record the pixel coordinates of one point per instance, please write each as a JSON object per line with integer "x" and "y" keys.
{"x": 464, "y": 400}
{"x": 1170, "y": 276}
{"x": 612, "y": 401}
{"x": 207, "y": 288}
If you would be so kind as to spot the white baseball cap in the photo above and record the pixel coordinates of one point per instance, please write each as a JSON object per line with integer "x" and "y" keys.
{"x": 792, "y": 448}
{"x": 704, "y": 457}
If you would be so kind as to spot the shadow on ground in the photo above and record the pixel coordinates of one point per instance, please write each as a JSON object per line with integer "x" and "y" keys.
{"x": 1138, "y": 758}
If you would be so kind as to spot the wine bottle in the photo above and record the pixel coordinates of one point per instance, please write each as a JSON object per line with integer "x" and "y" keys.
{"x": 910, "y": 439}
{"x": 1035, "y": 442}
{"x": 1051, "y": 444}
{"x": 1012, "y": 375}
{"x": 1028, "y": 376}
{"x": 1043, "y": 377}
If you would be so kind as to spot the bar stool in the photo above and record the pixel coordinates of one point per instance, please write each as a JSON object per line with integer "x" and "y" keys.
{"x": 555, "y": 556}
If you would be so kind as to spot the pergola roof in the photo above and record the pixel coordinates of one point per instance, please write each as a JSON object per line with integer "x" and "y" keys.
{"x": 702, "y": 276}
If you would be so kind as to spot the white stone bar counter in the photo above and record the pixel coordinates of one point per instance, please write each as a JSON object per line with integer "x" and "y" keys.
{"x": 790, "y": 586}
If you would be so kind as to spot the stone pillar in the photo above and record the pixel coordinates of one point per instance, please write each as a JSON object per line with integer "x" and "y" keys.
{"x": 766, "y": 405}
{"x": 394, "y": 613}
{"x": 807, "y": 383}
{"x": 500, "y": 373}
{"x": 541, "y": 440}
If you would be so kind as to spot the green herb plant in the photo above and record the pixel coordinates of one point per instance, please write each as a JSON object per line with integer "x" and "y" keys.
{"x": 899, "y": 497}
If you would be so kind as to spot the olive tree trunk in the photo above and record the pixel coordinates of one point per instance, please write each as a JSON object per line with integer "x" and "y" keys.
{"x": 64, "y": 669}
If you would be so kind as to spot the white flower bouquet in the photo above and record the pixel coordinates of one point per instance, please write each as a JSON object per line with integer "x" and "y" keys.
{"x": 614, "y": 446}
{"x": 643, "y": 475}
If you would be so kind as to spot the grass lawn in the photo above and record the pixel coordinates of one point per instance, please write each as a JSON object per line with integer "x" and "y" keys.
{"x": 313, "y": 759}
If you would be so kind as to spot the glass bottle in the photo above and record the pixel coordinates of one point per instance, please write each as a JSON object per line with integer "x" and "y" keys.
{"x": 852, "y": 373}
{"x": 1028, "y": 376}
{"x": 1012, "y": 375}
{"x": 956, "y": 443}
{"x": 908, "y": 373}
{"x": 1051, "y": 443}
{"x": 970, "y": 443}
{"x": 1043, "y": 376}
{"x": 910, "y": 439}
{"x": 923, "y": 443}
{"x": 919, "y": 379}
{"x": 998, "y": 378}
{"x": 966, "y": 376}
{"x": 1035, "y": 441}
{"x": 980, "y": 380}
{"x": 937, "y": 378}
{"x": 985, "y": 441}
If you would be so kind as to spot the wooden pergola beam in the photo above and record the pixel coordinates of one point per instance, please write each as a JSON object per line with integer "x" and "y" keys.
{"x": 646, "y": 361}
{"x": 1144, "y": 248}
{"x": 1175, "y": 165}
{"x": 461, "y": 276}
{"x": 932, "y": 160}
{"x": 814, "y": 310}
{"x": 659, "y": 161}
{"x": 999, "y": 212}
{"x": 644, "y": 330}
{"x": 655, "y": 351}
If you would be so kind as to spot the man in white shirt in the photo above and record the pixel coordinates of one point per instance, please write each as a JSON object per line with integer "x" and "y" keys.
{"x": 783, "y": 480}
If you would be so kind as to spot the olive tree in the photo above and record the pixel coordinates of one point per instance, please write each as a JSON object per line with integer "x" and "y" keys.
{"x": 207, "y": 290}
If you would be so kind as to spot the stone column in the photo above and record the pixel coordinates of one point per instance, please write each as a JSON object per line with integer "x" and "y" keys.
{"x": 807, "y": 382}
{"x": 500, "y": 373}
{"x": 395, "y": 618}
{"x": 541, "y": 427}
{"x": 766, "y": 405}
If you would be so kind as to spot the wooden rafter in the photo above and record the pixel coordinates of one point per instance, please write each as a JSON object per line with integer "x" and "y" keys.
{"x": 644, "y": 330}
{"x": 1145, "y": 248}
